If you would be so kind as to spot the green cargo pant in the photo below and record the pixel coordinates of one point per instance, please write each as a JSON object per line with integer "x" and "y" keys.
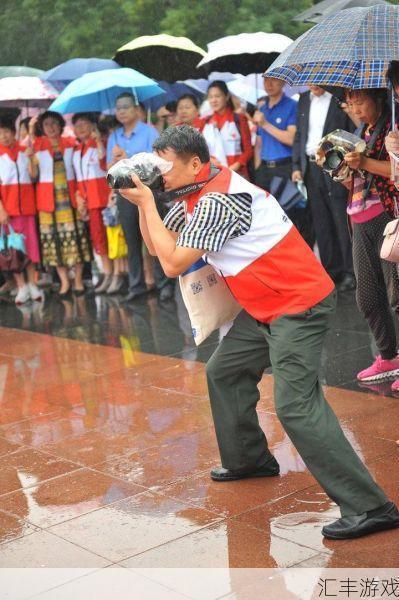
{"x": 295, "y": 345}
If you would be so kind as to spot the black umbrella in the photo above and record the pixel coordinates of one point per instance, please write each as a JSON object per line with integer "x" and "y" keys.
{"x": 324, "y": 9}
{"x": 162, "y": 57}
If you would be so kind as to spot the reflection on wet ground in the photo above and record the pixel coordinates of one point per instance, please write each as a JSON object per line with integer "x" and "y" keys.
{"x": 106, "y": 442}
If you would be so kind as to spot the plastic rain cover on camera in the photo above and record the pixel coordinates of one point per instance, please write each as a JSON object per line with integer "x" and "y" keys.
{"x": 147, "y": 166}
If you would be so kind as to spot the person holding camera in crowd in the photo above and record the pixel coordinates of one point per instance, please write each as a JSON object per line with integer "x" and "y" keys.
{"x": 318, "y": 114}
{"x": 372, "y": 202}
{"x": 287, "y": 300}
{"x": 132, "y": 137}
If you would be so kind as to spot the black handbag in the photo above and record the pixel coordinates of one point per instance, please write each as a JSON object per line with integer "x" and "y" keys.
{"x": 287, "y": 193}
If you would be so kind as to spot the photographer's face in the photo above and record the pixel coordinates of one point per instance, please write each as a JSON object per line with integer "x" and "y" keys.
{"x": 126, "y": 111}
{"x": 363, "y": 107}
{"x": 182, "y": 172}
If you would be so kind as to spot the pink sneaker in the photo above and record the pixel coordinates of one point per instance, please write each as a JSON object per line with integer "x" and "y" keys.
{"x": 395, "y": 386}
{"x": 380, "y": 369}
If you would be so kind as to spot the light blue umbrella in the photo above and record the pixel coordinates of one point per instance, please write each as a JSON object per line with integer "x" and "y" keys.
{"x": 96, "y": 92}
{"x": 351, "y": 49}
{"x": 76, "y": 67}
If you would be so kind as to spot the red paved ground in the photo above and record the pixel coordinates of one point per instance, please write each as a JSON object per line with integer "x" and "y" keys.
{"x": 103, "y": 463}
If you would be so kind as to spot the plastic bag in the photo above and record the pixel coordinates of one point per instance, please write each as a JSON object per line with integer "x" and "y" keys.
{"x": 14, "y": 240}
{"x": 147, "y": 166}
{"x": 110, "y": 216}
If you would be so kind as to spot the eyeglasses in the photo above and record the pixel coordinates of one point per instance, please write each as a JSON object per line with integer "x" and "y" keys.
{"x": 124, "y": 106}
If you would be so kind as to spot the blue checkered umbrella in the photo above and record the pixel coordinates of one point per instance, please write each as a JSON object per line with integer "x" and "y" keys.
{"x": 351, "y": 49}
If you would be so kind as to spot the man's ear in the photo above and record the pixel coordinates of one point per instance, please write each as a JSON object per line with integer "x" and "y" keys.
{"x": 197, "y": 165}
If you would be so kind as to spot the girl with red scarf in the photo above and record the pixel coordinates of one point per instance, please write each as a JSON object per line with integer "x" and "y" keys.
{"x": 17, "y": 205}
{"x": 226, "y": 132}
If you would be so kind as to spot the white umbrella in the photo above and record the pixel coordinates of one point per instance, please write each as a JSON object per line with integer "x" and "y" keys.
{"x": 245, "y": 92}
{"x": 244, "y": 53}
{"x": 21, "y": 91}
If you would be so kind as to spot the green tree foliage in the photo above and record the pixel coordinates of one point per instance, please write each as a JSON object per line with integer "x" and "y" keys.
{"x": 44, "y": 33}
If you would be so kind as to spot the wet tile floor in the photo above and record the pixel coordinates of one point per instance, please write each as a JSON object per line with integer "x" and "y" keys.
{"x": 106, "y": 442}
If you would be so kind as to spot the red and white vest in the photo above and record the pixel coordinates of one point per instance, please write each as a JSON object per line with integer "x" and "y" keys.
{"x": 16, "y": 191}
{"x": 90, "y": 175}
{"x": 225, "y": 143}
{"x": 270, "y": 270}
{"x": 45, "y": 187}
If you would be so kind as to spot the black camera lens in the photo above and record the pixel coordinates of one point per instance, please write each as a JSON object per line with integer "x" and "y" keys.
{"x": 333, "y": 160}
{"x": 119, "y": 182}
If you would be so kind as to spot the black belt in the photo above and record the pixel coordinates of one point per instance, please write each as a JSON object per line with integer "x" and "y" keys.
{"x": 270, "y": 164}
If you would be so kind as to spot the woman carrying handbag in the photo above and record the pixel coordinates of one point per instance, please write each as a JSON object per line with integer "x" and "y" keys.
{"x": 371, "y": 207}
{"x": 17, "y": 213}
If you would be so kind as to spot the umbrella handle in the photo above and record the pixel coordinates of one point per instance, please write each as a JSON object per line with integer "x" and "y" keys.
{"x": 394, "y": 165}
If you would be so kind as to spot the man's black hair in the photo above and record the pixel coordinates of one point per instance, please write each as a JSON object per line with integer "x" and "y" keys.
{"x": 190, "y": 97}
{"x": 87, "y": 116}
{"x": 127, "y": 95}
{"x": 393, "y": 73}
{"x": 185, "y": 141}
{"x": 7, "y": 123}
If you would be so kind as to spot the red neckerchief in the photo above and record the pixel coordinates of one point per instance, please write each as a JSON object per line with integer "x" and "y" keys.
{"x": 84, "y": 146}
{"x": 12, "y": 150}
{"x": 219, "y": 119}
{"x": 44, "y": 143}
{"x": 193, "y": 198}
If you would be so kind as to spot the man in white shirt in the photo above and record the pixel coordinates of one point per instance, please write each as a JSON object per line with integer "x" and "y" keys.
{"x": 319, "y": 114}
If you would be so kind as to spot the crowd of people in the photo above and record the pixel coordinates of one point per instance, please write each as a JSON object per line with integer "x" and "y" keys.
{"x": 54, "y": 192}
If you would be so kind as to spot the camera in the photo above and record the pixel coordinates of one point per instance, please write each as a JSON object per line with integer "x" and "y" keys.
{"x": 147, "y": 166}
{"x": 332, "y": 150}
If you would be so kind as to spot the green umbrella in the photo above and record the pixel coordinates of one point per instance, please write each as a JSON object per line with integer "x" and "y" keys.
{"x": 12, "y": 71}
{"x": 161, "y": 57}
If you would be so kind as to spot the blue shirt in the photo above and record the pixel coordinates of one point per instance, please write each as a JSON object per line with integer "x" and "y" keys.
{"x": 281, "y": 115}
{"x": 140, "y": 140}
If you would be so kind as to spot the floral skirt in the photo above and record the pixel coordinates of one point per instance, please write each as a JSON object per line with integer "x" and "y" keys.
{"x": 64, "y": 239}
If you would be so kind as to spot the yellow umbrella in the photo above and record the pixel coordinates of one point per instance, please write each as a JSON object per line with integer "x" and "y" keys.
{"x": 162, "y": 57}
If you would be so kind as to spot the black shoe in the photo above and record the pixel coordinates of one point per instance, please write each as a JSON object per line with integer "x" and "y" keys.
{"x": 379, "y": 519}
{"x": 79, "y": 293}
{"x": 269, "y": 469}
{"x": 347, "y": 284}
{"x": 134, "y": 296}
{"x": 166, "y": 293}
{"x": 65, "y": 295}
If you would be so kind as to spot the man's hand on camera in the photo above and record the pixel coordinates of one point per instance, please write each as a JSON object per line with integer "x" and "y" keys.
{"x": 355, "y": 160}
{"x": 141, "y": 195}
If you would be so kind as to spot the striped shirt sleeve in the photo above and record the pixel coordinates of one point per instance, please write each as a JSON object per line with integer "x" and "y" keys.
{"x": 213, "y": 223}
{"x": 175, "y": 218}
